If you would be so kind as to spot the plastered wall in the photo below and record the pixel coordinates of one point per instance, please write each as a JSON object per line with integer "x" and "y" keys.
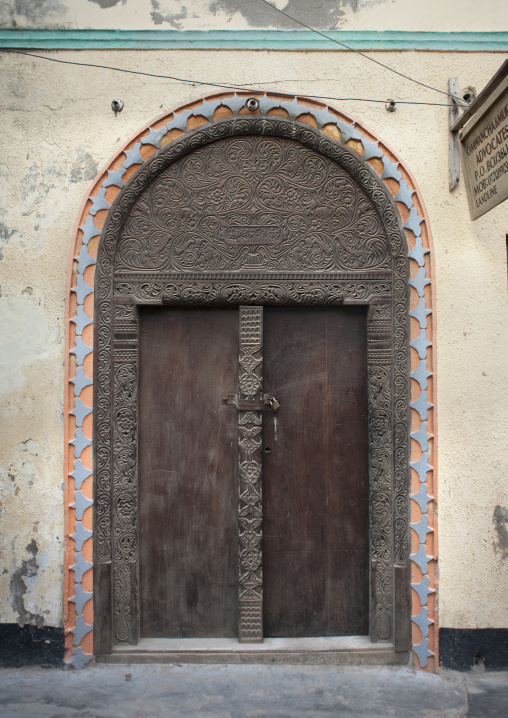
{"x": 58, "y": 129}
{"x": 433, "y": 15}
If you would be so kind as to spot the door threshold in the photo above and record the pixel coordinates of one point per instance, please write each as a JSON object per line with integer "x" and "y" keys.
{"x": 333, "y": 650}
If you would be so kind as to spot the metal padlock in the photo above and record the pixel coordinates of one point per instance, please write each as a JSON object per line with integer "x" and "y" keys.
{"x": 273, "y": 402}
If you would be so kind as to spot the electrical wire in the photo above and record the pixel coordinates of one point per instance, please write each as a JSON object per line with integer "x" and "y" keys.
{"x": 352, "y": 49}
{"x": 237, "y": 87}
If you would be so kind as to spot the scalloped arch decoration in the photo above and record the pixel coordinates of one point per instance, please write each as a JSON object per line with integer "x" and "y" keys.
{"x": 79, "y": 407}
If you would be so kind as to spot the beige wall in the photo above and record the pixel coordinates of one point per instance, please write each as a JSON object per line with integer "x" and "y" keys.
{"x": 435, "y": 15}
{"x": 58, "y": 128}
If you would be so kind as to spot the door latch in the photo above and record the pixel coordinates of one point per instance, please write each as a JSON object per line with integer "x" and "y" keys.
{"x": 252, "y": 404}
{"x": 272, "y": 401}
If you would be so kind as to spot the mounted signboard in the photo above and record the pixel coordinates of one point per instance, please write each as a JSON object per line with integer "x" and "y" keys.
{"x": 484, "y": 147}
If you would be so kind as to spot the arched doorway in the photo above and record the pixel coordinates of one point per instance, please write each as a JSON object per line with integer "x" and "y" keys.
{"x": 307, "y": 288}
{"x": 255, "y": 214}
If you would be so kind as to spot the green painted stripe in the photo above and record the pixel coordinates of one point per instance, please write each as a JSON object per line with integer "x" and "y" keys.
{"x": 249, "y": 40}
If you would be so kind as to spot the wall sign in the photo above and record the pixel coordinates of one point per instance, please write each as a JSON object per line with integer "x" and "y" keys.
{"x": 484, "y": 149}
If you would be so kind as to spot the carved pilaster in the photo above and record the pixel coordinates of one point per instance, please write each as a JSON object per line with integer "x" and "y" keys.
{"x": 250, "y": 497}
{"x": 379, "y": 349}
{"x": 124, "y": 472}
{"x": 401, "y": 415}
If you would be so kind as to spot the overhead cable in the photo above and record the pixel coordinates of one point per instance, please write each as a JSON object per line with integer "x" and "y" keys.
{"x": 352, "y": 49}
{"x": 237, "y": 87}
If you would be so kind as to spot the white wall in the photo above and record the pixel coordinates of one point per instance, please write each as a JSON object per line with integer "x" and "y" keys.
{"x": 58, "y": 128}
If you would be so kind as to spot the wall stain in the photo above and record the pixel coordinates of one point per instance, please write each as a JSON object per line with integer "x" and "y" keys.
{"x": 500, "y": 520}
{"x": 84, "y": 168}
{"x": 36, "y": 10}
{"x": 104, "y": 4}
{"x": 18, "y": 587}
{"x": 172, "y": 19}
{"x": 5, "y": 235}
{"x": 320, "y": 15}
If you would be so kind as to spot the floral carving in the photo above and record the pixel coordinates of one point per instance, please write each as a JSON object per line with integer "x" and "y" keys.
{"x": 250, "y": 502}
{"x": 253, "y": 202}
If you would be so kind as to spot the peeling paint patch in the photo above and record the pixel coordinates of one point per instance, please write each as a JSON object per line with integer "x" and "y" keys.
{"x": 47, "y": 173}
{"x": 171, "y": 18}
{"x": 84, "y": 168}
{"x": 33, "y": 447}
{"x": 37, "y": 10}
{"x": 5, "y": 231}
{"x": 104, "y": 4}
{"x": 5, "y": 235}
{"x": 28, "y": 569}
{"x": 321, "y": 15}
{"x": 500, "y": 520}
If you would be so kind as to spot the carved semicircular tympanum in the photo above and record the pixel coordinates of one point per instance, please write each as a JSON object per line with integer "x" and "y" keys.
{"x": 253, "y": 203}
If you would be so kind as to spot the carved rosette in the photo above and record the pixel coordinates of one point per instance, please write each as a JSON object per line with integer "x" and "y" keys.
{"x": 250, "y": 567}
{"x": 124, "y": 472}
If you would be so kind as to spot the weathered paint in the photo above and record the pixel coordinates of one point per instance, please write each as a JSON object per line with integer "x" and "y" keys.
{"x": 48, "y": 113}
{"x": 83, "y": 39}
{"x": 500, "y": 520}
{"x": 351, "y": 15}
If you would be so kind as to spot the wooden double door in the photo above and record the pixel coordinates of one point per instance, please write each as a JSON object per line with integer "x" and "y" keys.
{"x": 312, "y": 449}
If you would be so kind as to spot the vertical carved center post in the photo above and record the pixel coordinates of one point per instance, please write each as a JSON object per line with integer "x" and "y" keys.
{"x": 250, "y": 492}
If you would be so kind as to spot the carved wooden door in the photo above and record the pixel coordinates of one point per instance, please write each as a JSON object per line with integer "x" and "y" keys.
{"x": 315, "y": 473}
{"x": 241, "y": 212}
{"x": 267, "y": 536}
{"x": 187, "y": 473}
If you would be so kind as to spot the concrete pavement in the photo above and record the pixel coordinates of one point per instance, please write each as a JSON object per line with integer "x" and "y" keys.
{"x": 249, "y": 691}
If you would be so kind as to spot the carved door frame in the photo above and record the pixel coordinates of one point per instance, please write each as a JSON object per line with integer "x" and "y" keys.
{"x": 117, "y": 296}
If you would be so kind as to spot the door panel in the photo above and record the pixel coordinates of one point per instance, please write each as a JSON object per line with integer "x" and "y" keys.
{"x": 187, "y": 473}
{"x": 315, "y": 473}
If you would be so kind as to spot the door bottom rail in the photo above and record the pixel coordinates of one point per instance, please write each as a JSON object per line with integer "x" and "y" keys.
{"x": 336, "y": 650}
